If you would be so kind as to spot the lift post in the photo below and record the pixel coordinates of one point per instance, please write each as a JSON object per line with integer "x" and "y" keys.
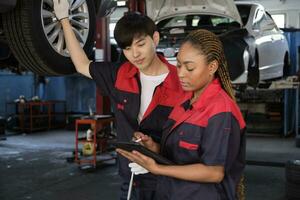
{"x": 102, "y": 53}
{"x": 293, "y": 37}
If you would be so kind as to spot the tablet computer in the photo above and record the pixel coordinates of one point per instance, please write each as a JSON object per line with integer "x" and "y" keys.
{"x": 130, "y": 146}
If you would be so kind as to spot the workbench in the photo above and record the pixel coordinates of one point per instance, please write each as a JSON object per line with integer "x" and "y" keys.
{"x": 38, "y": 115}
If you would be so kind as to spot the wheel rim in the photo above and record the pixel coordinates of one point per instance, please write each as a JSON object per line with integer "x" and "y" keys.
{"x": 79, "y": 19}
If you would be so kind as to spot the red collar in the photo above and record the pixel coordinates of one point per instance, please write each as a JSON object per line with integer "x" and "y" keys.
{"x": 209, "y": 92}
{"x": 128, "y": 71}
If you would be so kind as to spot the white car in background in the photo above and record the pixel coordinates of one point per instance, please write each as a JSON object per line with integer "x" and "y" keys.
{"x": 255, "y": 47}
{"x": 271, "y": 47}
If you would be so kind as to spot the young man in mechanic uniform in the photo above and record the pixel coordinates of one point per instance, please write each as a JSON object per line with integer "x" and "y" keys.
{"x": 142, "y": 90}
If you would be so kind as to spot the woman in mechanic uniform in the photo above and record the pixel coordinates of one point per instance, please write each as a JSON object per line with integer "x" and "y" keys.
{"x": 204, "y": 135}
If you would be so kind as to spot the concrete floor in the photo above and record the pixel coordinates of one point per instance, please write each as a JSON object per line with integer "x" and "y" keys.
{"x": 34, "y": 166}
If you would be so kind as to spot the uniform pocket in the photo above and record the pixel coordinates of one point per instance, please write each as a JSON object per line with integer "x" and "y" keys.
{"x": 187, "y": 152}
{"x": 120, "y": 106}
{"x": 187, "y": 145}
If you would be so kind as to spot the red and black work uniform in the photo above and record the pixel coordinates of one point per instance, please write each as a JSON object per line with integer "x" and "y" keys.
{"x": 211, "y": 132}
{"x": 122, "y": 84}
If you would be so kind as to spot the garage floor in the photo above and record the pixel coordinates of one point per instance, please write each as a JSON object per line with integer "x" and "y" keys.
{"x": 34, "y": 166}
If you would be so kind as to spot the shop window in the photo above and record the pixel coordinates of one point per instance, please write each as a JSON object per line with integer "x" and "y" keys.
{"x": 279, "y": 20}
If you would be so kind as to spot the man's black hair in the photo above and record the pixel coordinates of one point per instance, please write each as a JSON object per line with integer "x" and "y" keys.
{"x": 133, "y": 25}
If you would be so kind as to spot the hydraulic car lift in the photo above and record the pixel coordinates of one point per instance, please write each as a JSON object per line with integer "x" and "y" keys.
{"x": 290, "y": 82}
{"x": 289, "y": 87}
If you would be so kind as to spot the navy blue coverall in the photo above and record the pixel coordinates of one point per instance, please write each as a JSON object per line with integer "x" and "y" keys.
{"x": 122, "y": 85}
{"x": 211, "y": 132}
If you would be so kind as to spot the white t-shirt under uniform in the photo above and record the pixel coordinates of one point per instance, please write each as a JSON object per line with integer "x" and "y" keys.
{"x": 148, "y": 84}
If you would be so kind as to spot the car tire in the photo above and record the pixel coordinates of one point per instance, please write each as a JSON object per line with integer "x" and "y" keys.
{"x": 292, "y": 171}
{"x": 253, "y": 72}
{"x": 292, "y": 174}
{"x": 292, "y": 191}
{"x": 2, "y": 125}
{"x": 26, "y": 38}
{"x": 297, "y": 142}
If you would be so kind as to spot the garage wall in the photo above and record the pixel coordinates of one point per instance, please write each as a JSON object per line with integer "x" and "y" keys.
{"x": 291, "y": 9}
{"x": 12, "y": 86}
{"x": 76, "y": 90}
{"x": 55, "y": 88}
{"x": 80, "y": 93}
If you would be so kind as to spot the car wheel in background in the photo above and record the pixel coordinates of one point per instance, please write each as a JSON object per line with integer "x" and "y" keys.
{"x": 293, "y": 171}
{"x": 297, "y": 141}
{"x": 36, "y": 38}
{"x": 292, "y": 174}
{"x": 253, "y": 72}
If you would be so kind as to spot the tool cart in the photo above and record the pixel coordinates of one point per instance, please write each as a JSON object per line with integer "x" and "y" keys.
{"x": 92, "y": 142}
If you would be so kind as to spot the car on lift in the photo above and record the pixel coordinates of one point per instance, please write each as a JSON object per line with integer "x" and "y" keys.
{"x": 31, "y": 38}
{"x": 255, "y": 48}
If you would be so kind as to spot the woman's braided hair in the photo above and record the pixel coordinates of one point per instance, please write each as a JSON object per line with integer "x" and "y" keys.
{"x": 210, "y": 46}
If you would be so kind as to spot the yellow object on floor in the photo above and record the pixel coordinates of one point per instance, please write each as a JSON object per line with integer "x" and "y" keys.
{"x": 88, "y": 148}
